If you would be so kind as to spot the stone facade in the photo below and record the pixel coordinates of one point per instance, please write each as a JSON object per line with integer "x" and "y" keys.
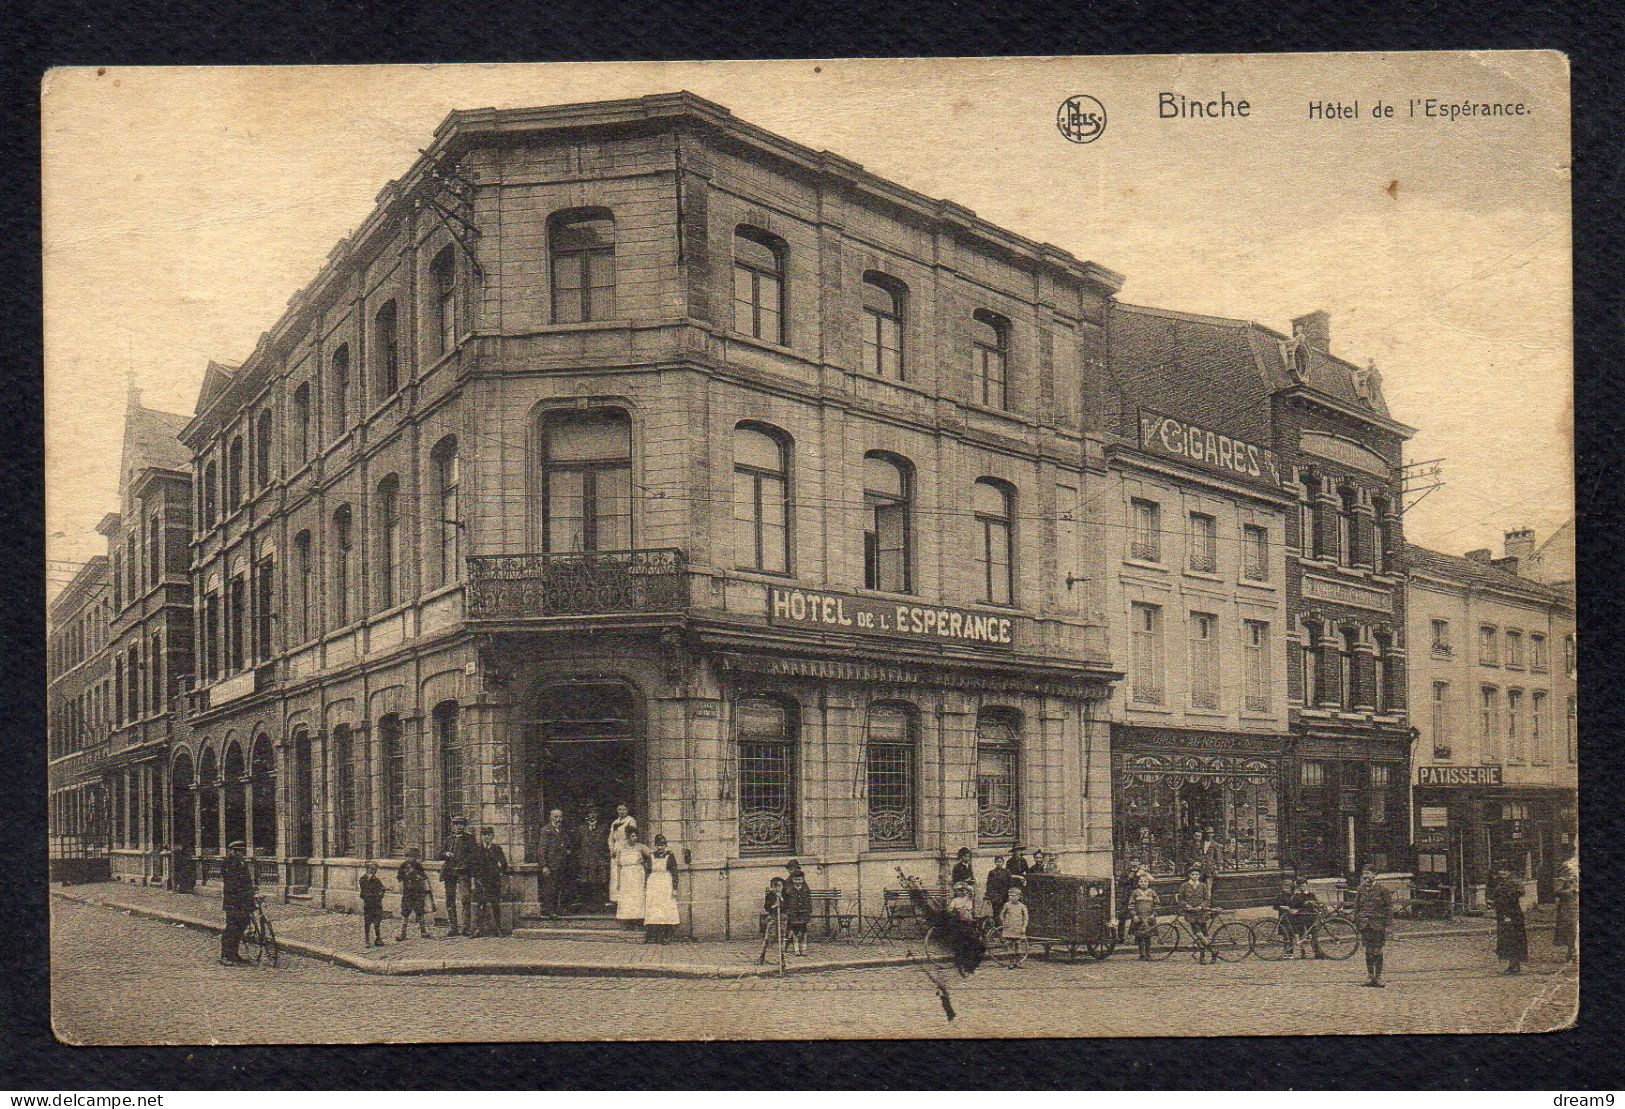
{"x": 78, "y": 720}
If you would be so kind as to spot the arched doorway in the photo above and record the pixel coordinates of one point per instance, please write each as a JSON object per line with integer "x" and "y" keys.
{"x": 262, "y": 786}
{"x": 208, "y": 803}
{"x": 587, "y": 753}
{"x": 234, "y": 788}
{"x": 182, "y": 813}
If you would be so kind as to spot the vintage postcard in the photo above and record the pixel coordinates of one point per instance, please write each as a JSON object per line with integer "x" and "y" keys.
{"x": 1021, "y": 547}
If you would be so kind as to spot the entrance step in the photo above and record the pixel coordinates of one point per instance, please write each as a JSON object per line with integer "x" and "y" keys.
{"x": 568, "y": 930}
{"x": 603, "y": 921}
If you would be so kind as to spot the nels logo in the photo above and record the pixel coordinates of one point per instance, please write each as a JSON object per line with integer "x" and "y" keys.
{"x": 1081, "y": 118}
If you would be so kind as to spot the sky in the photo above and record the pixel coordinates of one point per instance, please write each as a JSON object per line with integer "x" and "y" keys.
{"x": 183, "y": 208}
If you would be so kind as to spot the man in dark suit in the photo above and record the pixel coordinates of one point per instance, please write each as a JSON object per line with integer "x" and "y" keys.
{"x": 237, "y": 886}
{"x": 490, "y": 869}
{"x": 552, "y": 853}
{"x": 457, "y": 875}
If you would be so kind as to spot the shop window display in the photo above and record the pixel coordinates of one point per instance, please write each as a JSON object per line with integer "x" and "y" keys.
{"x": 1166, "y": 802}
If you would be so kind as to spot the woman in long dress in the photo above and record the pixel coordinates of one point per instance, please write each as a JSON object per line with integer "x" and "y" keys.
{"x": 1511, "y": 935}
{"x": 617, "y": 840}
{"x": 632, "y": 865}
{"x": 660, "y": 917}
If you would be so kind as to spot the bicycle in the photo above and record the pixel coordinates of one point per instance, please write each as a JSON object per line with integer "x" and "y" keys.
{"x": 260, "y": 938}
{"x": 941, "y": 952}
{"x": 1228, "y": 942}
{"x": 1331, "y": 936}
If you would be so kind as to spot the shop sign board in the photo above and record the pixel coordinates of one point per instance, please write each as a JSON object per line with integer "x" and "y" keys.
{"x": 1458, "y": 776}
{"x": 841, "y": 612}
{"x": 1172, "y": 437}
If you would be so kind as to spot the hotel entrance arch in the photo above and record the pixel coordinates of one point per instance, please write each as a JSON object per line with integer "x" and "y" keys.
{"x": 586, "y": 752}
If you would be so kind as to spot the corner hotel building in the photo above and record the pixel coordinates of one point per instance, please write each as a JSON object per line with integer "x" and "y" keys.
{"x": 630, "y": 453}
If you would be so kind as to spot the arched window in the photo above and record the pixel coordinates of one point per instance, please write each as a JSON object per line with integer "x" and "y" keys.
{"x": 386, "y": 352}
{"x": 183, "y": 814}
{"x": 884, "y": 305}
{"x": 211, "y": 507}
{"x": 343, "y": 544}
{"x": 759, "y": 285}
{"x": 262, "y": 449}
{"x": 387, "y": 543}
{"x": 582, "y": 246}
{"x": 339, "y": 375}
{"x": 447, "y": 526}
{"x": 208, "y": 777}
{"x": 449, "y": 740}
{"x": 304, "y": 573}
{"x": 587, "y": 481}
{"x": 443, "y": 301}
{"x": 887, "y": 540}
{"x": 262, "y": 789}
{"x": 993, "y": 501}
{"x": 234, "y": 793}
{"x": 346, "y": 833}
{"x": 997, "y": 776}
{"x": 890, "y": 755}
{"x": 234, "y": 473}
{"x": 761, "y": 500}
{"x": 990, "y": 336}
{"x": 301, "y": 423}
{"x": 393, "y": 754}
{"x": 764, "y": 732}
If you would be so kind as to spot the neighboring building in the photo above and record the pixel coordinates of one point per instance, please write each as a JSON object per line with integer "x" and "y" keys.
{"x": 78, "y": 705}
{"x": 1493, "y": 688}
{"x": 1196, "y": 518}
{"x": 630, "y": 453}
{"x": 1342, "y": 453}
{"x": 149, "y": 641}
{"x": 1551, "y": 563}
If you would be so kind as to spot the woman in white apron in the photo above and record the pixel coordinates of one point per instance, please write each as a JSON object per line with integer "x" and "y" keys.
{"x": 660, "y": 917}
{"x": 632, "y": 865}
{"x": 617, "y": 840}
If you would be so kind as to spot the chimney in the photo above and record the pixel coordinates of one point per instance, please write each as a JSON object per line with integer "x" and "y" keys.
{"x": 1520, "y": 544}
{"x": 1315, "y": 329}
{"x": 1482, "y": 554}
{"x": 1510, "y": 565}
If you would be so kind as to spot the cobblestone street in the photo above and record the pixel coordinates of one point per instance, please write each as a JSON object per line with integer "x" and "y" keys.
{"x": 118, "y": 979}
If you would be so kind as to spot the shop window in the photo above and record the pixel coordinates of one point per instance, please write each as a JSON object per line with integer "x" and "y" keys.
{"x": 884, "y": 309}
{"x": 1147, "y": 685}
{"x": 1441, "y": 638}
{"x": 345, "y": 831}
{"x": 990, "y": 341}
{"x": 446, "y": 527}
{"x": 759, "y": 285}
{"x": 761, "y": 500}
{"x": 393, "y": 754}
{"x": 1204, "y": 543}
{"x": 587, "y": 481}
{"x": 1255, "y": 546}
{"x": 888, "y": 494}
{"x": 1166, "y": 804}
{"x": 1256, "y": 651}
{"x": 1145, "y": 538}
{"x": 993, "y": 501}
{"x": 453, "y": 781}
{"x": 890, "y": 758}
{"x": 1440, "y": 721}
{"x": 764, "y": 732}
{"x": 997, "y": 777}
{"x": 1204, "y": 660}
{"x": 582, "y": 246}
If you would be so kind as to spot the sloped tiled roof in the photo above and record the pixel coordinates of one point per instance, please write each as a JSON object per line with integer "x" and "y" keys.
{"x": 151, "y": 443}
{"x": 1467, "y": 571}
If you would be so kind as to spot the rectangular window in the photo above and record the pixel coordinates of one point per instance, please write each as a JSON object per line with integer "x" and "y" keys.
{"x": 155, "y": 549}
{"x": 155, "y": 657}
{"x": 264, "y": 593}
{"x": 1569, "y": 655}
{"x": 1312, "y": 774}
{"x": 1255, "y": 548}
{"x": 1440, "y": 721}
{"x": 1145, "y": 543}
{"x": 1204, "y": 543}
{"x": 1570, "y": 720}
{"x": 1489, "y": 721}
{"x": 237, "y": 622}
{"x": 1488, "y": 653}
{"x": 1514, "y": 649}
{"x": 211, "y": 633}
{"x": 766, "y": 777}
{"x": 890, "y": 776}
{"x": 1441, "y": 638}
{"x": 1204, "y": 675}
{"x": 1537, "y": 730}
{"x": 1306, "y": 529}
{"x": 1256, "y": 648}
{"x": 1515, "y": 752}
{"x": 1147, "y": 653}
{"x": 1539, "y": 656}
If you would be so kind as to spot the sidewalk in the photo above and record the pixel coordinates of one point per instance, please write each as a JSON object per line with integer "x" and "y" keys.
{"x": 335, "y": 937}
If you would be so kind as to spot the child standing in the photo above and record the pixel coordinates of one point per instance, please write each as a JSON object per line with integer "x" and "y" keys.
{"x": 415, "y": 891}
{"x": 963, "y": 904}
{"x": 1014, "y": 923}
{"x": 372, "y": 907}
{"x": 798, "y": 910}
{"x": 772, "y": 903}
{"x": 1142, "y": 914}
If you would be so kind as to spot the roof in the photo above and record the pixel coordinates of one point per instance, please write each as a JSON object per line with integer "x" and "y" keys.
{"x": 151, "y": 441}
{"x": 1553, "y": 562}
{"x": 1469, "y": 572}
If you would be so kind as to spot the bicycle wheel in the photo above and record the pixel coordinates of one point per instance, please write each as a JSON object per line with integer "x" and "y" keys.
{"x": 1164, "y": 941}
{"x": 1335, "y": 938}
{"x": 1231, "y": 942}
{"x": 268, "y": 945}
{"x": 1271, "y": 941}
{"x": 937, "y": 949}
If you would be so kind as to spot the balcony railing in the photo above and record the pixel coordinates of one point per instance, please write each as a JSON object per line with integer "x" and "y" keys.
{"x": 589, "y": 583}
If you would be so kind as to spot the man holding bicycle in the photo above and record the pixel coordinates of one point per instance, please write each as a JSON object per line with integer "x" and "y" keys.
{"x": 237, "y": 885}
{"x": 1195, "y": 908}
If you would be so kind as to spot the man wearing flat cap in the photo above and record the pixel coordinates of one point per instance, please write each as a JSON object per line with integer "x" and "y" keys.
{"x": 457, "y": 875}
{"x": 489, "y": 870}
{"x": 237, "y": 885}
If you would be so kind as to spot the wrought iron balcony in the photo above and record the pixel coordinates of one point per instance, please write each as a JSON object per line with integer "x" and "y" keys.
{"x": 588, "y": 583}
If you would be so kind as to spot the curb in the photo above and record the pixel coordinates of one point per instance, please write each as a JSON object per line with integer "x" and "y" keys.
{"x": 421, "y": 967}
